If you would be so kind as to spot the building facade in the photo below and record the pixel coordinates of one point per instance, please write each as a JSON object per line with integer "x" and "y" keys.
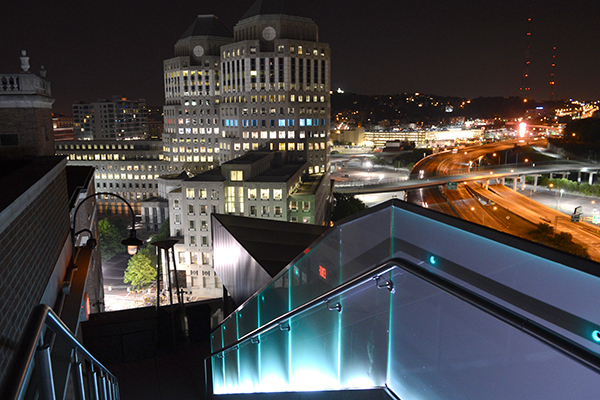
{"x": 192, "y": 96}
{"x": 128, "y": 168}
{"x": 258, "y": 185}
{"x": 266, "y": 86}
{"x": 119, "y": 119}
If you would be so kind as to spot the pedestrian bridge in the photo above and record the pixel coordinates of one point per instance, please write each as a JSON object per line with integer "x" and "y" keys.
{"x": 420, "y": 305}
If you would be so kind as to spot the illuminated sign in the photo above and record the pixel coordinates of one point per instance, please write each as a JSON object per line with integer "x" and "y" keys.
{"x": 322, "y": 272}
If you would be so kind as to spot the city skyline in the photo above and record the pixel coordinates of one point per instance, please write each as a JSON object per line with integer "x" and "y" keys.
{"x": 95, "y": 50}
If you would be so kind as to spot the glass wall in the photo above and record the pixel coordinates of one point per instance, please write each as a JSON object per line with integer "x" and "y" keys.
{"x": 418, "y": 340}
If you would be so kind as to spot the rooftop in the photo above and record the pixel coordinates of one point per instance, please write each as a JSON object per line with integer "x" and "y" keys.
{"x": 275, "y": 7}
{"x": 207, "y": 25}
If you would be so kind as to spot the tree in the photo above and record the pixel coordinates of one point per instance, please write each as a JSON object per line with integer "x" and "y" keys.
{"x": 109, "y": 238}
{"x": 140, "y": 272}
{"x": 162, "y": 234}
{"x": 562, "y": 241}
{"x": 345, "y": 205}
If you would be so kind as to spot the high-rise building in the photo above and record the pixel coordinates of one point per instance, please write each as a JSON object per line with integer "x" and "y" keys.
{"x": 264, "y": 87}
{"x": 192, "y": 96}
{"x": 119, "y": 119}
{"x": 275, "y": 86}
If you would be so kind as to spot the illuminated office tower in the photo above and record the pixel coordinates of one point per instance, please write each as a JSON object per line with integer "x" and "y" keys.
{"x": 275, "y": 83}
{"x": 192, "y": 95}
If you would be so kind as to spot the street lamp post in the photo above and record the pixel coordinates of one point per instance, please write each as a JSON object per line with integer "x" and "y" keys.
{"x": 132, "y": 242}
{"x": 166, "y": 245}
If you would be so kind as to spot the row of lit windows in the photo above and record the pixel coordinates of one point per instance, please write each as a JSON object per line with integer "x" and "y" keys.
{"x": 109, "y": 157}
{"x": 95, "y": 146}
{"x": 190, "y": 193}
{"x": 126, "y": 176}
{"x": 282, "y": 122}
{"x": 190, "y": 158}
{"x": 131, "y": 167}
{"x": 281, "y": 49}
{"x": 201, "y": 149}
{"x": 195, "y": 131}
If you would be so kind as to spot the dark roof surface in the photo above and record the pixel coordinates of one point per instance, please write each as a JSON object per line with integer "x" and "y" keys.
{"x": 78, "y": 177}
{"x": 16, "y": 177}
{"x": 273, "y": 244}
{"x": 275, "y": 7}
{"x": 207, "y": 25}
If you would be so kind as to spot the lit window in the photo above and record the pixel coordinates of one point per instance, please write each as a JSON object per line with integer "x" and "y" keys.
{"x": 252, "y": 194}
{"x": 277, "y": 194}
{"x": 237, "y": 176}
{"x": 264, "y": 194}
{"x": 190, "y": 193}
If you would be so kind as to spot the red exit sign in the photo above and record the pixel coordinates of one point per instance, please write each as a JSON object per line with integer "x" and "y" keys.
{"x": 322, "y": 272}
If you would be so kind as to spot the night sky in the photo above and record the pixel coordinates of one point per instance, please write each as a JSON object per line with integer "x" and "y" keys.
{"x": 94, "y": 49}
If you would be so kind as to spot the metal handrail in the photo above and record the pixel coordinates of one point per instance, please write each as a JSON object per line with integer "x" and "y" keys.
{"x": 31, "y": 344}
{"x": 560, "y": 343}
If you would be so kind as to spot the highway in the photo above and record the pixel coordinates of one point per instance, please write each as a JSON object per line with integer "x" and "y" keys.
{"x": 497, "y": 206}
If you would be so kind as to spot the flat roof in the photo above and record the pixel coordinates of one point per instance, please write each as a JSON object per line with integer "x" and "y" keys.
{"x": 17, "y": 176}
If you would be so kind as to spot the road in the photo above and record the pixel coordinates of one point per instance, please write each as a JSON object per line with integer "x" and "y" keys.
{"x": 497, "y": 207}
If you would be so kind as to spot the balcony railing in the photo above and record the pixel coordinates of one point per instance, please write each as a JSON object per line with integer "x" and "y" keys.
{"x": 91, "y": 379}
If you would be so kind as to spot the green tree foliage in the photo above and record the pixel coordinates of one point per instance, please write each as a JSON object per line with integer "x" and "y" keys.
{"x": 345, "y": 205}
{"x": 572, "y": 186}
{"x": 109, "y": 239}
{"x": 563, "y": 241}
{"x": 149, "y": 250}
{"x": 140, "y": 272}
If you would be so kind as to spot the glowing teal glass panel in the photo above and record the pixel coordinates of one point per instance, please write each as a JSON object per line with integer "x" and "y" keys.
{"x": 317, "y": 272}
{"x": 248, "y": 317}
{"x": 231, "y": 376}
{"x": 364, "y": 336}
{"x": 365, "y": 243}
{"x": 274, "y": 300}
{"x": 443, "y": 347}
{"x": 217, "y": 339}
{"x": 249, "y": 366}
{"x": 217, "y": 375}
{"x": 315, "y": 349}
{"x": 230, "y": 331}
{"x": 273, "y": 360}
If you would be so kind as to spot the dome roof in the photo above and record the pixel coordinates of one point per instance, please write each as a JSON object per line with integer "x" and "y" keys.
{"x": 207, "y": 25}
{"x": 274, "y": 7}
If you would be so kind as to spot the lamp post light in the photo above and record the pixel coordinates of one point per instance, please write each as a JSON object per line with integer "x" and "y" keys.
{"x": 132, "y": 242}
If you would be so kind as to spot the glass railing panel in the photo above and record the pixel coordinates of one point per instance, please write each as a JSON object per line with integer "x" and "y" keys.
{"x": 464, "y": 257}
{"x": 317, "y": 272}
{"x": 315, "y": 349}
{"x": 218, "y": 379}
{"x": 366, "y": 242}
{"x": 441, "y": 345}
{"x": 249, "y": 366}
{"x": 273, "y": 361}
{"x": 364, "y": 336}
{"x": 216, "y": 339}
{"x": 274, "y": 300}
{"x": 229, "y": 331}
{"x": 231, "y": 377}
{"x": 248, "y": 318}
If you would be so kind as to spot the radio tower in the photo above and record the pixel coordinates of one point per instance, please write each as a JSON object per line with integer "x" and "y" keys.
{"x": 552, "y": 94}
{"x": 525, "y": 79}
